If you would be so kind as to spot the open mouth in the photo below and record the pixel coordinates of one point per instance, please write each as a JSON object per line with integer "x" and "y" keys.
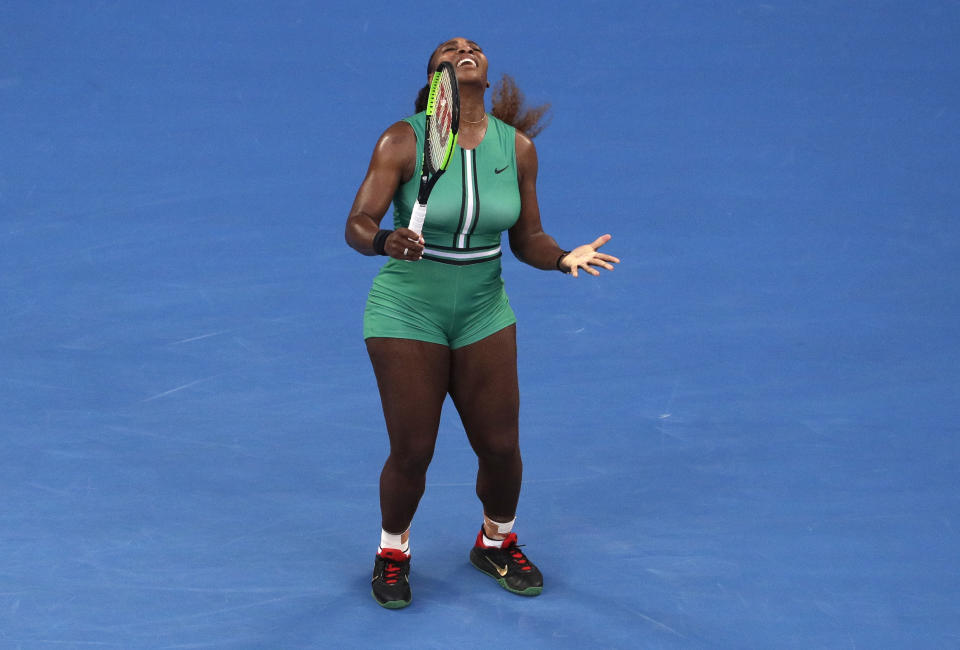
{"x": 465, "y": 62}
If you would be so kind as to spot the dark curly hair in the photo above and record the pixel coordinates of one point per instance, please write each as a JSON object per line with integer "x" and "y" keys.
{"x": 508, "y": 105}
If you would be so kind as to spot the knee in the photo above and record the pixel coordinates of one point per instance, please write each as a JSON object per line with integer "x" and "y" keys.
{"x": 501, "y": 448}
{"x": 411, "y": 460}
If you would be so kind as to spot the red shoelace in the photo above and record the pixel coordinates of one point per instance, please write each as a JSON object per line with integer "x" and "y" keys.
{"x": 391, "y": 571}
{"x": 510, "y": 545}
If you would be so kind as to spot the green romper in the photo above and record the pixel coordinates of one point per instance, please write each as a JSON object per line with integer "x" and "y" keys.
{"x": 454, "y": 295}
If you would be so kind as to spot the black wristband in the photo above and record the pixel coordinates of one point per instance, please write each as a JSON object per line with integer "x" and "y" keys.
{"x": 559, "y": 259}
{"x": 380, "y": 241}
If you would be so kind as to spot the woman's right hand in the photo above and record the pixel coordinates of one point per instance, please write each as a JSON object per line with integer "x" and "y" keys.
{"x": 404, "y": 244}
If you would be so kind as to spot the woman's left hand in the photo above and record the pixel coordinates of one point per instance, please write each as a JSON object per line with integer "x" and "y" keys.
{"x": 586, "y": 257}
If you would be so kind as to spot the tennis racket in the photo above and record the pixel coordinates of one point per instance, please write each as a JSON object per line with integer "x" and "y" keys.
{"x": 443, "y": 124}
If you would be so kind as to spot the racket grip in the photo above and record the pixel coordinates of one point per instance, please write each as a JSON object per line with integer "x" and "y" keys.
{"x": 417, "y": 217}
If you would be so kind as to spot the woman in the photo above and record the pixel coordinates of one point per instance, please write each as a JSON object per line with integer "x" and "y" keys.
{"x": 438, "y": 321}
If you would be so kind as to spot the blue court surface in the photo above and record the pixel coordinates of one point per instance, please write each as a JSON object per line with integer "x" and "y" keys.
{"x": 744, "y": 437}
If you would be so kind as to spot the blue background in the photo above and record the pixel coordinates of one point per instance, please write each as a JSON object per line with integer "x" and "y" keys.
{"x": 745, "y": 436}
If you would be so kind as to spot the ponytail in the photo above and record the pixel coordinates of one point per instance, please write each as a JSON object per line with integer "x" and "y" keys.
{"x": 508, "y": 105}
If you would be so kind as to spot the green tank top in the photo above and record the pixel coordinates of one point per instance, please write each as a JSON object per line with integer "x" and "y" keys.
{"x": 475, "y": 200}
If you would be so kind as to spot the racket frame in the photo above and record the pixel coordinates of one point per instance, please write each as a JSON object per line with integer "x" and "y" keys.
{"x": 429, "y": 176}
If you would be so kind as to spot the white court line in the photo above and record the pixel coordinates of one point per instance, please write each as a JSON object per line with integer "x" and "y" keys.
{"x": 177, "y": 389}
{"x": 198, "y": 338}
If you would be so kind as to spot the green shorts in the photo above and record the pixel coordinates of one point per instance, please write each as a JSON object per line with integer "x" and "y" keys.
{"x": 449, "y": 304}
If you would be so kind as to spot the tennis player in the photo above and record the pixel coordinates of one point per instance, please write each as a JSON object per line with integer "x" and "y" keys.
{"x": 438, "y": 321}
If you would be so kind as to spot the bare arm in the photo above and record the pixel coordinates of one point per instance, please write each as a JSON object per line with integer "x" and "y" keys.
{"x": 530, "y": 243}
{"x": 393, "y": 162}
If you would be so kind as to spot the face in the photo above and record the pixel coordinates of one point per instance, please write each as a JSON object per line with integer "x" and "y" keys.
{"x": 466, "y": 57}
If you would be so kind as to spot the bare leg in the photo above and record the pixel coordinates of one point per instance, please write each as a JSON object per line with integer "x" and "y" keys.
{"x": 413, "y": 378}
{"x": 485, "y": 391}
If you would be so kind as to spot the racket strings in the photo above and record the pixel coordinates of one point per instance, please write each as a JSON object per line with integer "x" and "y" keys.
{"x": 440, "y": 132}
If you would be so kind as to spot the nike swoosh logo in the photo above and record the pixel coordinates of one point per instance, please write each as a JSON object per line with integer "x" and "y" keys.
{"x": 497, "y": 171}
{"x": 496, "y": 566}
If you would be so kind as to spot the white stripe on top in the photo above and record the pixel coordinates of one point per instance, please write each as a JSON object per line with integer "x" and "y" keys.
{"x": 451, "y": 255}
{"x": 469, "y": 198}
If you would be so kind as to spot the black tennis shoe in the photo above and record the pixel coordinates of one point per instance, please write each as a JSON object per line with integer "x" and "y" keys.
{"x": 508, "y": 566}
{"x": 391, "y": 583}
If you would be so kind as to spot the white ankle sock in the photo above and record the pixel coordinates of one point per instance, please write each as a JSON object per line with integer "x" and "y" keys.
{"x": 389, "y": 540}
{"x": 492, "y": 543}
{"x": 503, "y": 528}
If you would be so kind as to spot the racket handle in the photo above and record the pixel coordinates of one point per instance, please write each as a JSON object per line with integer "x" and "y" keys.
{"x": 417, "y": 217}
